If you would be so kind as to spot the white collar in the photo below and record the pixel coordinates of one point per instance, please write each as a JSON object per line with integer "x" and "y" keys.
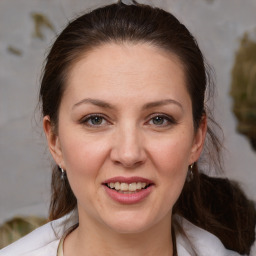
{"x": 45, "y": 240}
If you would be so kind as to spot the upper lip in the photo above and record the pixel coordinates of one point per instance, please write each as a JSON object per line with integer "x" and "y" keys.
{"x": 127, "y": 180}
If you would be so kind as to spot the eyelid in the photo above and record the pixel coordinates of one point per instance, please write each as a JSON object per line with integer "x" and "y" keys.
{"x": 84, "y": 120}
{"x": 169, "y": 118}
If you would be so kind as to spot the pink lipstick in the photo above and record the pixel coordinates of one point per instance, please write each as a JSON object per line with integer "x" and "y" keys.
{"x": 128, "y": 190}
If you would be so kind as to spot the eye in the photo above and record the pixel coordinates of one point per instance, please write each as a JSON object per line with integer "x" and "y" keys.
{"x": 161, "y": 120}
{"x": 94, "y": 121}
{"x": 158, "y": 120}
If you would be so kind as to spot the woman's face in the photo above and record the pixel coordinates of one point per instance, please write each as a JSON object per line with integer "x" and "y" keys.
{"x": 126, "y": 136}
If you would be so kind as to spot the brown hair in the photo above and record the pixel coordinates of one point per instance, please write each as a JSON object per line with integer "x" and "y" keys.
{"x": 118, "y": 23}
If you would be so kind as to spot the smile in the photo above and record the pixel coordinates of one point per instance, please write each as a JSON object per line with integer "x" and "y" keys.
{"x": 127, "y": 187}
{"x": 128, "y": 190}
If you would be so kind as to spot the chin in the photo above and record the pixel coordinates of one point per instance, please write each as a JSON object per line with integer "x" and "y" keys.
{"x": 129, "y": 223}
{"x": 129, "y": 228}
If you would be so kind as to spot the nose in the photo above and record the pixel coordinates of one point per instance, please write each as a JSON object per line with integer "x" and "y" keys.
{"x": 128, "y": 147}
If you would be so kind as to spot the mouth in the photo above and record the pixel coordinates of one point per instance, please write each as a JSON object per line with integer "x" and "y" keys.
{"x": 128, "y": 188}
{"x": 128, "y": 184}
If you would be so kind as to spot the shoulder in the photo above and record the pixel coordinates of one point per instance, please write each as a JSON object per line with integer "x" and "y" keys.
{"x": 199, "y": 242}
{"x": 36, "y": 243}
{"x": 42, "y": 241}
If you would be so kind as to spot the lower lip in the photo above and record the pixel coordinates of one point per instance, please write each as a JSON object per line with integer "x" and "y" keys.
{"x": 131, "y": 198}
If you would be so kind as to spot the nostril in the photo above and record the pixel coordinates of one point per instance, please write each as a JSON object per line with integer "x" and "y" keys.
{"x": 128, "y": 149}
{"x": 129, "y": 165}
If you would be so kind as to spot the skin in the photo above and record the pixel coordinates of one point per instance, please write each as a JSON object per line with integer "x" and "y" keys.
{"x": 131, "y": 138}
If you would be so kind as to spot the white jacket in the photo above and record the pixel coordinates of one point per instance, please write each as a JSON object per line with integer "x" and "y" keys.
{"x": 44, "y": 241}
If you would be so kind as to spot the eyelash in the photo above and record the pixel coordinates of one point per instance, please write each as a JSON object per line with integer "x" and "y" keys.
{"x": 167, "y": 119}
{"x": 88, "y": 118}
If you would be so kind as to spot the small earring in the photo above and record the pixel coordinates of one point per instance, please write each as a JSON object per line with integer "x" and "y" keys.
{"x": 190, "y": 174}
{"x": 63, "y": 173}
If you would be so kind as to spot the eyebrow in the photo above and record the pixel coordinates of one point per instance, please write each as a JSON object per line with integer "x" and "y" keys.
{"x": 103, "y": 104}
{"x": 99, "y": 103}
{"x": 161, "y": 103}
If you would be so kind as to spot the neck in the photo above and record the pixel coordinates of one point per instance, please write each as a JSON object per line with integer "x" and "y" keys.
{"x": 92, "y": 240}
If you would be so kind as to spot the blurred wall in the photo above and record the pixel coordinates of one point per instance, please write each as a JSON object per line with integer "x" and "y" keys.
{"x": 27, "y": 29}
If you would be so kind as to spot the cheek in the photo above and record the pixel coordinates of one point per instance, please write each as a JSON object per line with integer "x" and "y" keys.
{"x": 83, "y": 159}
{"x": 83, "y": 155}
{"x": 171, "y": 156}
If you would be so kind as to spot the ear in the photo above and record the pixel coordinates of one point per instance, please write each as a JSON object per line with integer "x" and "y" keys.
{"x": 53, "y": 141}
{"x": 198, "y": 142}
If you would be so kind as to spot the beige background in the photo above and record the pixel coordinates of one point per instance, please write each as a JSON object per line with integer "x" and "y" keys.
{"x": 25, "y": 164}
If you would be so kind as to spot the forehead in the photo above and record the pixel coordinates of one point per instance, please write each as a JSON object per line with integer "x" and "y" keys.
{"x": 126, "y": 69}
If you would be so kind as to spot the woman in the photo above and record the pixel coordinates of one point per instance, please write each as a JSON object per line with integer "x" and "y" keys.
{"x": 123, "y": 102}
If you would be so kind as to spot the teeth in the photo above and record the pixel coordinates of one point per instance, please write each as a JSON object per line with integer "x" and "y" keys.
{"x": 124, "y": 186}
{"x": 117, "y": 186}
{"x": 132, "y": 187}
{"x": 138, "y": 185}
{"x": 127, "y": 186}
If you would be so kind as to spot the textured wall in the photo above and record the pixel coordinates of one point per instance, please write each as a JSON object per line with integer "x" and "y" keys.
{"x": 27, "y": 28}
